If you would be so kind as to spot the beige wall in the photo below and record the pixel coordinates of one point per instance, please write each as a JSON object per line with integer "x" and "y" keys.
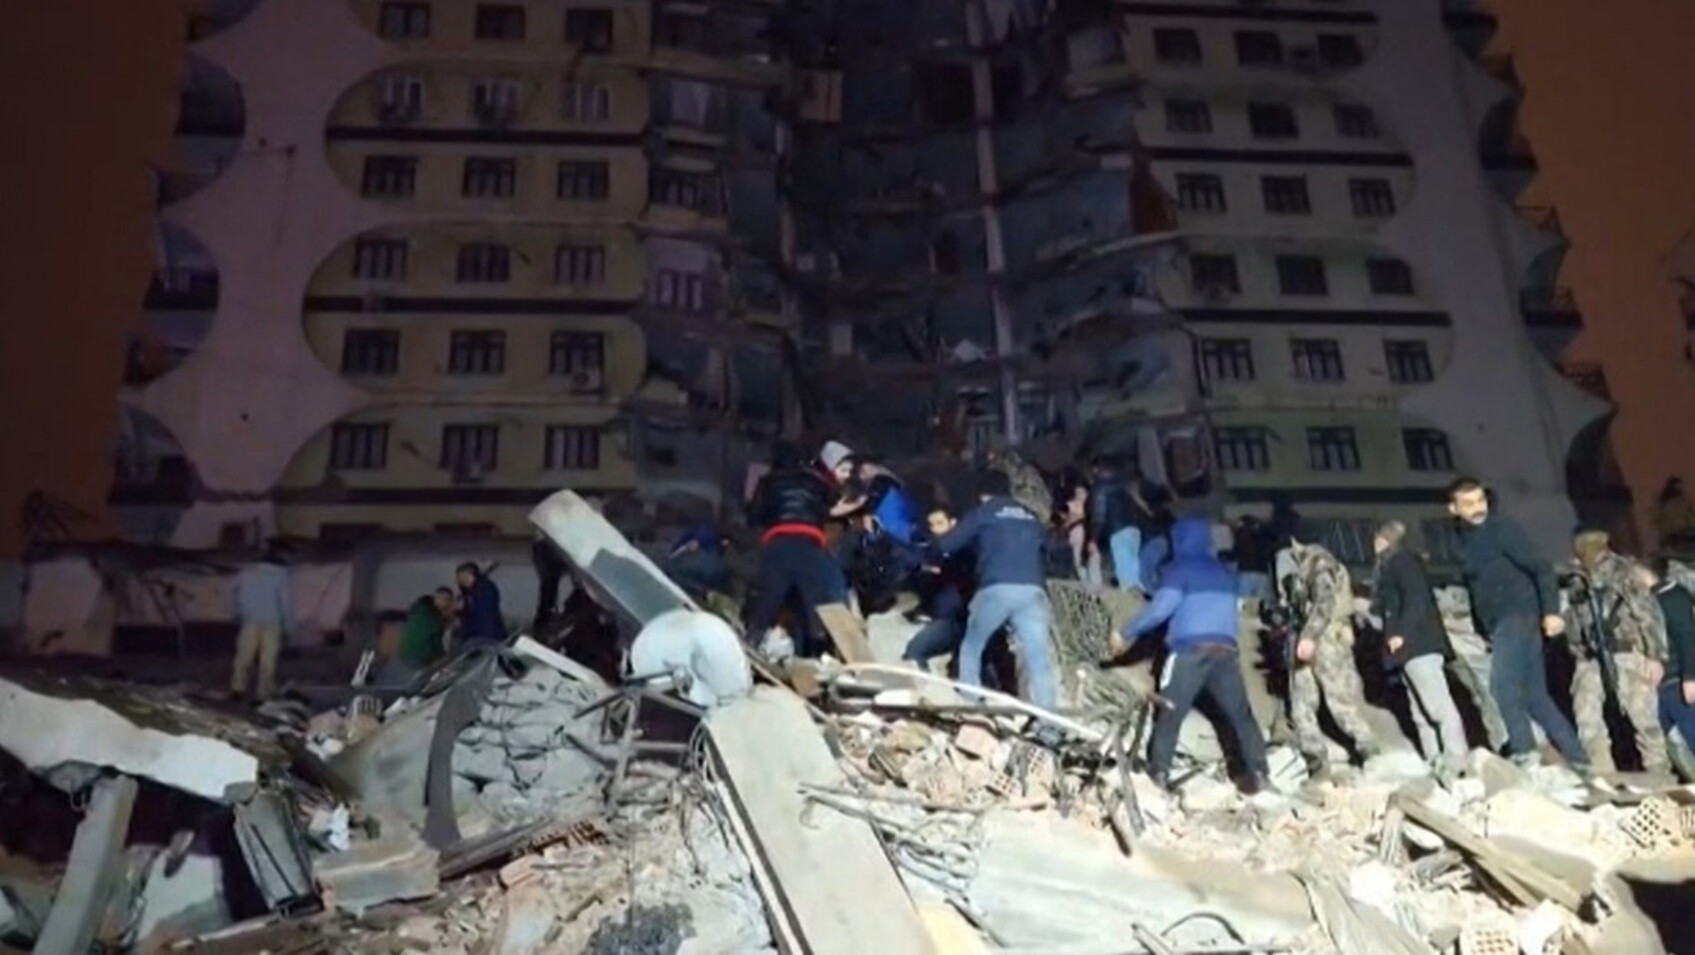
{"x": 448, "y": 87}
{"x": 1382, "y": 457}
{"x": 441, "y": 167}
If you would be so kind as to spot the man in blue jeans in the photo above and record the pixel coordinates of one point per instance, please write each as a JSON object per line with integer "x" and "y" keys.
{"x": 1008, "y": 540}
{"x": 1197, "y": 594}
{"x": 1516, "y": 600}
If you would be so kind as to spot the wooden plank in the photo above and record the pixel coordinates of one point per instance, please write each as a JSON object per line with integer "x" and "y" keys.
{"x": 830, "y": 878}
{"x": 1517, "y": 869}
{"x": 848, "y": 633}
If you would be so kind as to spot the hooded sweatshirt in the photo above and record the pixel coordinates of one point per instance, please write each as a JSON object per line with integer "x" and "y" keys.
{"x": 1197, "y": 593}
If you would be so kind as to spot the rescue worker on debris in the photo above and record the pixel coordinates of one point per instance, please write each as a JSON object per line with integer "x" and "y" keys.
{"x": 1008, "y": 541}
{"x": 1322, "y": 668}
{"x": 1632, "y": 630}
{"x": 796, "y": 569}
{"x": 1677, "y": 688}
{"x": 1516, "y": 602}
{"x": 1416, "y": 645}
{"x": 1197, "y": 593}
{"x": 1028, "y": 487}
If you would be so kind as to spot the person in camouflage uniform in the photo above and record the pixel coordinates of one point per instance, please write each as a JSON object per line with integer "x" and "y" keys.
{"x": 1324, "y": 668}
{"x": 1029, "y": 487}
{"x": 1636, "y": 630}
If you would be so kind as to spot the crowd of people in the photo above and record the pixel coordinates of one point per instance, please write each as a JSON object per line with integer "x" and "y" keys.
{"x": 982, "y": 571}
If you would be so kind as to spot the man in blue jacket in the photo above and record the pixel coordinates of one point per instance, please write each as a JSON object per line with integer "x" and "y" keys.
{"x": 1008, "y": 540}
{"x": 479, "y": 613}
{"x": 1197, "y": 594}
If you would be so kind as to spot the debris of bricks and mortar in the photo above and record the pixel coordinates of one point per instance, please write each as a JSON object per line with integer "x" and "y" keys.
{"x": 517, "y": 803}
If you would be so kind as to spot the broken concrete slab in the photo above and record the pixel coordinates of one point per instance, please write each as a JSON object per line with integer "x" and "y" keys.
{"x": 389, "y": 769}
{"x": 396, "y": 866}
{"x": 49, "y": 723}
{"x": 616, "y": 574}
{"x": 826, "y": 873}
{"x": 182, "y": 902}
{"x": 699, "y": 645}
{"x": 92, "y": 871}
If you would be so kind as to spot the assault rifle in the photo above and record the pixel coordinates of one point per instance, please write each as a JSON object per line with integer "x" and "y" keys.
{"x": 1284, "y": 619}
{"x": 1595, "y": 630}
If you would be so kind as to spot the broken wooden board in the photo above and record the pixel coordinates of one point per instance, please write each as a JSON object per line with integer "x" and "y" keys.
{"x": 828, "y": 877}
{"x": 847, "y": 632}
{"x": 1516, "y": 874}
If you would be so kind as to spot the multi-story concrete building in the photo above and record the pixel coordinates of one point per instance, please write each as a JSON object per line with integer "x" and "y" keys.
{"x": 1364, "y": 312}
{"x": 423, "y": 263}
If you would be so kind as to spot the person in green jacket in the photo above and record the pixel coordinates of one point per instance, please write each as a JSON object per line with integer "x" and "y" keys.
{"x": 421, "y": 641}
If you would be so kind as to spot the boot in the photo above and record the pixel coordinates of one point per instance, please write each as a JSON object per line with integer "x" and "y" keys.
{"x": 1256, "y": 782}
{"x": 1162, "y": 780}
{"x": 1318, "y": 769}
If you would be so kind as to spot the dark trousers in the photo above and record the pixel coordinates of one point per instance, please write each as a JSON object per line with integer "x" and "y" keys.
{"x": 1518, "y": 679}
{"x": 797, "y": 572}
{"x": 550, "y": 573}
{"x": 1675, "y": 712}
{"x": 945, "y": 630}
{"x": 1217, "y": 669}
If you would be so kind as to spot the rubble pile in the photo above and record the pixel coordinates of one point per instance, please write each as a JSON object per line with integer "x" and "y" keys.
{"x": 529, "y": 753}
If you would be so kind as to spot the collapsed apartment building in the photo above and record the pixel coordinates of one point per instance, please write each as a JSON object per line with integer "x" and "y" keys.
{"x": 708, "y": 800}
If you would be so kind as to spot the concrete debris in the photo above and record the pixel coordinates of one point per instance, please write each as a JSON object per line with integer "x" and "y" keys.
{"x": 393, "y": 867}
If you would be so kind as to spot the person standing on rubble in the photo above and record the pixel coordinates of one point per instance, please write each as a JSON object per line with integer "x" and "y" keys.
{"x": 1197, "y": 594}
{"x": 1322, "y": 665}
{"x": 1677, "y": 688}
{"x": 422, "y": 637}
{"x": 790, "y": 507}
{"x": 266, "y": 614}
{"x": 479, "y": 607}
{"x": 1008, "y": 540}
{"x": 1416, "y": 644}
{"x": 1632, "y": 631}
{"x": 1516, "y": 600}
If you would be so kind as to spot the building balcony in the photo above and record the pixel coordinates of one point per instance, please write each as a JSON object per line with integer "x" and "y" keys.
{"x": 714, "y": 43}
{"x": 1552, "y": 318}
{"x": 211, "y": 120}
{"x": 1471, "y": 24}
{"x": 1589, "y": 377}
{"x": 180, "y": 303}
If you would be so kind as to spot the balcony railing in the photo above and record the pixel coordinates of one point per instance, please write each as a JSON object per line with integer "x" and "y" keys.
{"x": 1550, "y": 306}
{"x": 1589, "y": 377}
{"x": 183, "y": 287}
{"x": 1544, "y": 218}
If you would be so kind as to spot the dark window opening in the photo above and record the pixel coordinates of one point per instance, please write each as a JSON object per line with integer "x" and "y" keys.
{"x": 1200, "y": 192}
{"x": 1332, "y": 449}
{"x": 486, "y": 178}
{"x": 577, "y": 353}
{"x": 1427, "y": 449}
{"x": 498, "y": 21}
{"x": 470, "y": 450}
{"x": 484, "y": 262}
{"x": 370, "y": 351}
{"x": 359, "y": 447}
{"x": 1389, "y": 276}
{"x": 1258, "y": 48}
{"x": 1286, "y": 195}
{"x": 380, "y": 259}
{"x": 1355, "y": 121}
{"x": 584, "y": 180}
{"x": 389, "y": 176}
{"x": 1316, "y": 359}
{"x": 1409, "y": 362}
{"x": 1272, "y": 121}
{"x": 1301, "y": 275}
{"x": 1227, "y": 359}
{"x": 589, "y": 29}
{"x": 1372, "y": 198}
{"x": 579, "y": 264}
{"x": 476, "y": 353}
{"x": 1188, "y": 116}
{"x": 1242, "y": 449}
{"x": 1214, "y": 274}
{"x": 572, "y": 448}
{"x": 1173, "y": 45}
{"x": 404, "y": 21}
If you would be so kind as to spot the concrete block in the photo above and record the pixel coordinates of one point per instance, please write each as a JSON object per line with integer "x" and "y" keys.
{"x": 525, "y": 921}
{"x": 976, "y": 741}
{"x": 184, "y": 903}
{"x": 397, "y": 866}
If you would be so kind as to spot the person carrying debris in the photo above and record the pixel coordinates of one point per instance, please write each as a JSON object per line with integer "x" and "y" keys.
{"x": 266, "y": 614}
{"x": 1516, "y": 600}
{"x": 1322, "y": 663}
{"x": 1677, "y": 688}
{"x": 1615, "y": 614}
{"x": 790, "y": 507}
{"x": 479, "y": 607}
{"x": 1197, "y": 594}
{"x": 1008, "y": 540}
{"x": 1416, "y": 644}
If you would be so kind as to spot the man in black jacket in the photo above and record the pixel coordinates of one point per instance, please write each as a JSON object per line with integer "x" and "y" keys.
{"x": 1416, "y": 644}
{"x": 790, "y": 506}
{"x": 1677, "y": 689}
{"x": 1516, "y": 601}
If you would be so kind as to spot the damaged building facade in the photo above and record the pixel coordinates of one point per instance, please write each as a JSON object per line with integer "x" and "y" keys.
{"x": 1352, "y": 312}
{"x": 467, "y": 255}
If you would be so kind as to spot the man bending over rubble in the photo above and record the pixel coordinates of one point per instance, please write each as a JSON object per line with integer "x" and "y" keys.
{"x": 1008, "y": 540}
{"x": 1197, "y": 593}
{"x": 790, "y": 506}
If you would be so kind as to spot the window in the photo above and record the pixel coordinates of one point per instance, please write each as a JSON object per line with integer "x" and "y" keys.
{"x": 1172, "y": 45}
{"x": 401, "y": 98}
{"x": 1188, "y": 116}
{"x": 499, "y": 21}
{"x": 359, "y": 447}
{"x": 583, "y": 180}
{"x": 574, "y": 353}
{"x": 1301, "y": 275}
{"x": 1227, "y": 359}
{"x": 487, "y": 178}
{"x": 404, "y": 21}
{"x": 1285, "y": 195}
{"x": 379, "y": 259}
{"x": 392, "y": 176}
{"x": 1339, "y": 50}
{"x": 1389, "y": 276}
{"x": 1440, "y": 540}
{"x": 683, "y": 291}
{"x": 589, "y": 29}
{"x": 572, "y": 448}
{"x": 470, "y": 450}
{"x": 1354, "y": 121}
{"x": 1372, "y": 198}
{"x": 1214, "y": 273}
{"x": 494, "y": 102}
{"x": 1258, "y": 48}
{"x": 1349, "y": 538}
{"x": 690, "y": 190}
{"x": 579, "y": 264}
{"x": 1272, "y": 121}
{"x": 1408, "y": 361}
{"x": 1316, "y": 359}
{"x": 585, "y": 102}
{"x": 1241, "y": 449}
{"x": 1427, "y": 449}
{"x": 1200, "y": 192}
{"x": 1332, "y": 449}
{"x": 476, "y": 353}
{"x": 370, "y": 351}
{"x": 484, "y": 262}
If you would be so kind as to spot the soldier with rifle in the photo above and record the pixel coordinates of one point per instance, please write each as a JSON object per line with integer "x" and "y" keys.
{"x": 1321, "y": 657}
{"x": 1619, "y": 640}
